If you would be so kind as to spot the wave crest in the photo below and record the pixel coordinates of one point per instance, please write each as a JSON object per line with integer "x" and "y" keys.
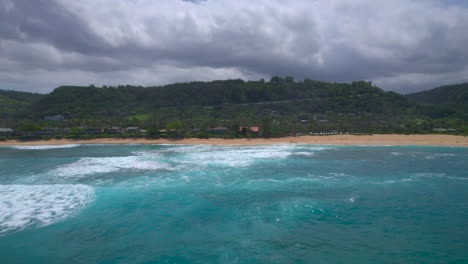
{"x": 86, "y": 166}
{"x": 43, "y": 147}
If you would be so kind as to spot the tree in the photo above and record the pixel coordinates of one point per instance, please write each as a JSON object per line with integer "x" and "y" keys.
{"x": 235, "y": 126}
{"x": 289, "y": 79}
{"x": 177, "y": 125}
{"x": 77, "y": 130}
{"x": 155, "y": 120}
{"x": 153, "y": 133}
{"x": 29, "y": 127}
{"x": 276, "y": 79}
{"x": 266, "y": 126}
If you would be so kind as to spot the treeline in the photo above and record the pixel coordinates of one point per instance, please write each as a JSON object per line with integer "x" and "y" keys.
{"x": 83, "y": 102}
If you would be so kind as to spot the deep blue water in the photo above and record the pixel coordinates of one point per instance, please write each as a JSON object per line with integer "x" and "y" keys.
{"x": 257, "y": 204}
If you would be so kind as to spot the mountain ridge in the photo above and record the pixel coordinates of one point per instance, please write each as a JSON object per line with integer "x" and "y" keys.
{"x": 310, "y": 103}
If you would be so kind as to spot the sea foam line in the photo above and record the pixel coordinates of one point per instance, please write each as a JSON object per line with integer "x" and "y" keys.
{"x": 43, "y": 147}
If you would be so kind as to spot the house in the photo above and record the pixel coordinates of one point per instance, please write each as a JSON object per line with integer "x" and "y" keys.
{"x": 113, "y": 130}
{"x": 244, "y": 130}
{"x": 94, "y": 130}
{"x": 219, "y": 130}
{"x": 254, "y": 129}
{"x": 45, "y": 132}
{"x": 4, "y": 131}
{"x": 132, "y": 130}
{"x": 442, "y": 130}
{"x": 56, "y": 118}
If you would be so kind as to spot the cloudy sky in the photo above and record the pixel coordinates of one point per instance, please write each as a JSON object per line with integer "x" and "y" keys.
{"x": 400, "y": 45}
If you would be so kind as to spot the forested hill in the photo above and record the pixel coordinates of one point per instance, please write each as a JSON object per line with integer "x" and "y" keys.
{"x": 449, "y": 100}
{"x": 239, "y": 100}
{"x": 83, "y": 102}
{"x": 450, "y": 94}
{"x": 22, "y": 96}
{"x": 13, "y": 103}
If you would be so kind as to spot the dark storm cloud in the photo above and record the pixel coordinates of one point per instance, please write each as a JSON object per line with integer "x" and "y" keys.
{"x": 400, "y": 45}
{"x": 48, "y": 22}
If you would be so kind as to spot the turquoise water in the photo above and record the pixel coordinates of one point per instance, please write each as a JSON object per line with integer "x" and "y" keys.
{"x": 257, "y": 204}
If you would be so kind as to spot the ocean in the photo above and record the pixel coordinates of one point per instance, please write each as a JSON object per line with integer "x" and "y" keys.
{"x": 233, "y": 204}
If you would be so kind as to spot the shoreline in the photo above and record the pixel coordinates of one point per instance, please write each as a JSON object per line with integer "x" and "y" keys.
{"x": 350, "y": 140}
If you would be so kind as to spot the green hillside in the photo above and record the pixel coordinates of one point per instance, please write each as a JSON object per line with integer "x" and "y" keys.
{"x": 16, "y": 104}
{"x": 450, "y": 100}
{"x": 85, "y": 102}
{"x": 290, "y": 105}
{"x": 22, "y": 96}
{"x": 450, "y": 94}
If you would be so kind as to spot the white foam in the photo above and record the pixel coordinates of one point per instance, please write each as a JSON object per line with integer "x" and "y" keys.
{"x": 338, "y": 174}
{"x": 440, "y": 175}
{"x": 353, "y": 198}
{"x": 307, "y": 154}
{"x": 295, "y": 179}
{"x": 41, "y": 147}
{"x": 432, "y": 156}
{"x": 86, "y": 166}
{"x": 192, "y": 148}
{"x": 426, "y": 155}
{"x": 297, "y": 205}
{"x": 263, "y": 180}
{"x": 395, "y": 181}
{"x": 232, "y": 156}
{"x": 149, "y": 154}
{"x": 429, "y": 174}
{"x": 185, "y": 178}
{"x": 238, "y": 156}
{"x": 23, "y": 206}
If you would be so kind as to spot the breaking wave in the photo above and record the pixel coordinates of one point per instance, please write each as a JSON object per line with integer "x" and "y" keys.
{"x": 306, "y": 154}
{"x": 86, "y": 166}
{"x": 41, "y": 147}
{"x": 426, "y": 155}
{"x": 395, "y": 181}
{"x": 289, "y": 180}
{"x": 240, "y": 156}
{"x": 439, "y": 175}
{"x": 23, "y": 206}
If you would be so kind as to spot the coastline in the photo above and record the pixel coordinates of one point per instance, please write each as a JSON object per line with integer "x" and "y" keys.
{"x": 351, "y": 140}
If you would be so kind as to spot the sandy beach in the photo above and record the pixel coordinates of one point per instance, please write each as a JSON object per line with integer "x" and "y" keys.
{"x": 353, "y": 140}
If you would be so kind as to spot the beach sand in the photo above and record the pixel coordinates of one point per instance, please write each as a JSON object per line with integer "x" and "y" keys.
{"x": 353, "y": 140}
